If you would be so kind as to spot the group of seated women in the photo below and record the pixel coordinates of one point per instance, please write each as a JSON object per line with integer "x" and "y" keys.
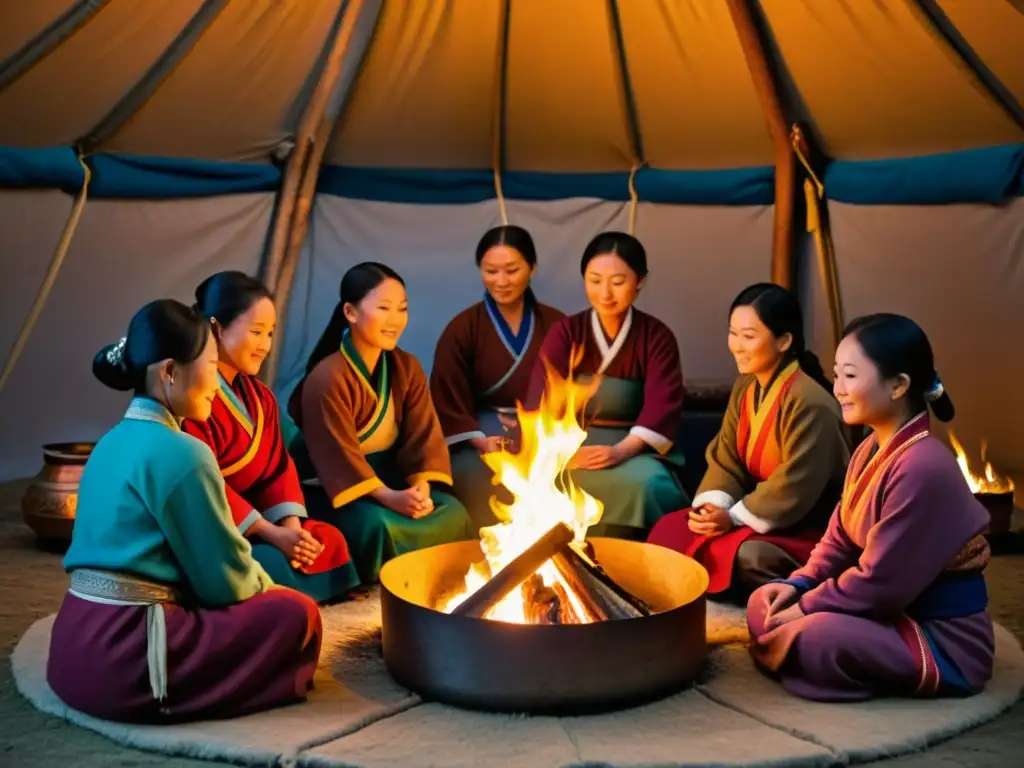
{"x": 200, "y": 550}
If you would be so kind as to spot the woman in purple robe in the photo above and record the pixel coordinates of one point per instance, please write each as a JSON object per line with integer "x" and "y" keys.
{"x": 892, "y": 600}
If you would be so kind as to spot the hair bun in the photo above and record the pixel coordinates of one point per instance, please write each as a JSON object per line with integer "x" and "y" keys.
{"x": 110, "y": 368}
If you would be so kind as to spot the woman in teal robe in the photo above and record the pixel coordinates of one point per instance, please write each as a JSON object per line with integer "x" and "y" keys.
{"x": 371, "y": 431}
{"x": 628, "y": 461}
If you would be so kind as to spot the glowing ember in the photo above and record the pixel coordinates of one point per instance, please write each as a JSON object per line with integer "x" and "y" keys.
{"x": 543, "y": 495}
{"x": 990, "y": 482}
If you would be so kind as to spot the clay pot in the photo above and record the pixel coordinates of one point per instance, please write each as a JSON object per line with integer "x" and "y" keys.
{"x": 50, "y": 503}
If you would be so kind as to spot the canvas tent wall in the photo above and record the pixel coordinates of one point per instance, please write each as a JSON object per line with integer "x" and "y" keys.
{"x": 196, "y": 106}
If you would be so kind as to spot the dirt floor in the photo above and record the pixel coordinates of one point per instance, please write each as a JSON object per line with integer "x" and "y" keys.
{"x": 32, "y": 583}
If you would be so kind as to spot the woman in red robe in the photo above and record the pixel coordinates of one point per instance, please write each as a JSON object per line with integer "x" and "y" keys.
{"x": 244, "y": 432}
{"x": 776, "y": 467}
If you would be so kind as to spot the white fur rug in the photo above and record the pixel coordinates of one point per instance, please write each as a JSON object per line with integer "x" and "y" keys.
{"x": 358, "y": 717}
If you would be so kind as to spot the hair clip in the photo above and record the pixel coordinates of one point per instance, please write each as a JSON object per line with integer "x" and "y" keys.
{"x": 115, "y": 355}
{"x": 936, "y": 391}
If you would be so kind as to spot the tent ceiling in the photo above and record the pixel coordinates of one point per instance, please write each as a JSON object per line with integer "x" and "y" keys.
{"x": 875, "y": 79}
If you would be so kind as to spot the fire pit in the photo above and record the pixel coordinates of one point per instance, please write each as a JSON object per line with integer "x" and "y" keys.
{"x": 495, "y": 665}
{"x": 992, "y": 489}
{"x": 533, "y": 616}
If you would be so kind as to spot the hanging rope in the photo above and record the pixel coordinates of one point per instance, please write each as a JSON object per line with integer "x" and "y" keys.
{"x": 51, "y": 276}
{"x": 634, "y": 199}
{"x": 814, "y": 196}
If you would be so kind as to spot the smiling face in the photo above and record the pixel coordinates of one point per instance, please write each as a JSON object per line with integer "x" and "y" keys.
{"x": 863, "y": 394}
{"x": 246, "y": 342}
{"x": 612, "y": 285}
{"x": 379, "y": 319}
{"x": 756, "y": 349}
{"x": 506, "y": 274}
{"x": 195, "y": 384}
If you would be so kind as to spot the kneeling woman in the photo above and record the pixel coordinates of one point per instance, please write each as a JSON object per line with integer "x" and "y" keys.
{"x": 632, "y": 420}
{"x": 244, "y": 432}
{"x": 371, "y": 431}
{"x": 483, "y": 363}
{"x": 893, "y": 599}
{"x": 776, "y": 467}
{"x": 168, "y": 617}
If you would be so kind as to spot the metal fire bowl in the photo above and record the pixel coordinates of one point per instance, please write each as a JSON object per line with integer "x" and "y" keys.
{"x": 557, "y": 669}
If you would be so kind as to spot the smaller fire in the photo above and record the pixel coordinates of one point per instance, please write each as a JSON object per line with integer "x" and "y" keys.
{"x": 990, "y": 481}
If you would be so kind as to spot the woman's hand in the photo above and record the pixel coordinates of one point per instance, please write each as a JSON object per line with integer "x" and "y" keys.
{"x": 778, "y": 596}
{"x": 413, "y": 502}
{"x": 709, "y": 520}
{"x": 489, "y": 444}
{"x": 292, "y": 522}
{"x": 595, "y": 457}
{"x": 786, "y": 615}
{"x": 298, "y": 546}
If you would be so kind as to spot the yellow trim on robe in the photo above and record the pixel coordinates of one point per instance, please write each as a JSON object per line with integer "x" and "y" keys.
{"x": 240, "y": 417}
{"x": 357, "y": 491}
{"x": 254, "y": 446}
{"x": 429, "y": 476}
{"x": 359, "y": 375}
{"x": 758, "y": 417}
{"x": 387, "y": 432}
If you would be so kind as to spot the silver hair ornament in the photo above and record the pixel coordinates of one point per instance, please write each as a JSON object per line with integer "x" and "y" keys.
{"x": 936, "y": 391}
{"x": 115, "y": 355}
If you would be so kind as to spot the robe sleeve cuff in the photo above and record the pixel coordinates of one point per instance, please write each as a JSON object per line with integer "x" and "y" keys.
{"x": 801, "y": 583}
{"x": 718, "y": 498}
{"x": 430, "y": 477}
{"x": 356, "y": 491}
{"x": 279, "y": 512}
{"x": 740, "y": 515}
{"x": 660, "y": 443}
{"x": 247, "y": 521}
{"x": 463, "y": 437}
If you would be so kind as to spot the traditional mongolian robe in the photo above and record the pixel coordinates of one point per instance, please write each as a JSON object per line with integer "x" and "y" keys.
{"x": 894, "y": 594}
{"x": 641, "y": 394}
{"x": 168, "y": 616}
{"x": 482, "y": 369}
{"x": 777, "y": 465}
{"x": 244, "y": 432}
{"x": 365, "y": 430}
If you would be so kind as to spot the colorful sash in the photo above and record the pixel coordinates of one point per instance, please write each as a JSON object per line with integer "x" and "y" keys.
{"x": 609, "y": 352}
{"x": 381, "y": 394}
{"x": 755, "y": 433}
{"x": 241, "y": 414}
{"x": 516, "y": 344}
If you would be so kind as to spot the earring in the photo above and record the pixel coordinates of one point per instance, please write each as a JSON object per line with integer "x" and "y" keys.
{"x": 170, "y": 380}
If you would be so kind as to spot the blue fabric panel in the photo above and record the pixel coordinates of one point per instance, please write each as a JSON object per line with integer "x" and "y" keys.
{"x": 989, "y": 175}
{"x": 744, "y": 186}
{"x": 133, "y": 176}
{"x": 50, "y": 167}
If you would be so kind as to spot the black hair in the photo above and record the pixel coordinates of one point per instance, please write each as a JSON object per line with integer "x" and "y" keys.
{"x": 355, "y": 285}
{"x": 896, "y": 344}
{"x": 226, "y": 296}
{"x": 162, "y": 329}
{"x": 625, "y": 246}
{"x": 511, "y": 236}
{"x": 780, "y": 311}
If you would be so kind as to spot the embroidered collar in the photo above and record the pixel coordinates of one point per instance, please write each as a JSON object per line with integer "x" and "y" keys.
{"x": 608, "y": 353}
{"x": 351, "y": 354}
{"x": 515, "y": 343}
{"x": 144, "y": 408}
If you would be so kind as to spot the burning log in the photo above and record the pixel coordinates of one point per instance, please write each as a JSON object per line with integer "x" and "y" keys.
{"x": 516, "y": 572}
{"x": 596, "y": 588}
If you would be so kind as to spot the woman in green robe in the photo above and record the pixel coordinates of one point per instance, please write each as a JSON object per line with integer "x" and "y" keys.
{"x": 371, "y": 431}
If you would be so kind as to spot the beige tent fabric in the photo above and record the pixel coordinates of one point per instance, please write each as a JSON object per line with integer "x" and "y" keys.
{"x": 880, "y": 83}
{"x": 31, "y": 19}
{"x": 426, "y": 94}
{"x": 565, "y": 97}
{"x": 232, "y": 96}
{"x": 995, "y": 30}
{"x": 696, "y": 101}
{"x": 67, "y": 93}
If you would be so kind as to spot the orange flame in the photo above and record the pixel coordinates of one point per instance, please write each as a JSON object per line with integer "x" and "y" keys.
{"x": 543, "y": 493}
{"x": 990, "y": 481}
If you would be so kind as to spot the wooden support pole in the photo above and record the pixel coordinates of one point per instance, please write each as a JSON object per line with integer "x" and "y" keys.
{"x": 784, "y": 242}
{"x": 298, "y": 188}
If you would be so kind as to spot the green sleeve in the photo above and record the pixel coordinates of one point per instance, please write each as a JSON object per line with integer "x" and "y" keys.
{"x": 215, "y": 558}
